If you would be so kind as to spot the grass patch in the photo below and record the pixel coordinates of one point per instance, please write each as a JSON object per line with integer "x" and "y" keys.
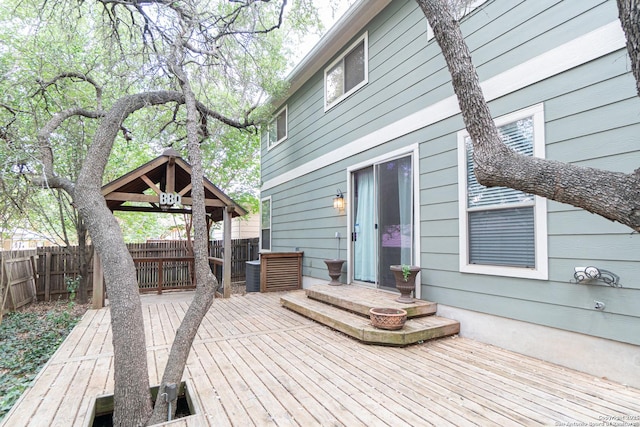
{"x": 28, "y": 338}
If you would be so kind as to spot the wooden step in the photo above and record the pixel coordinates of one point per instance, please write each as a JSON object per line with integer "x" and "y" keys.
{"x": 415, "y": 330}
{"x": 360, "y": 299}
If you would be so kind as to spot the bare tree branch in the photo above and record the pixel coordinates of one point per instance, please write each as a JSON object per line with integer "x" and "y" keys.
{"x": 74, "y": 76}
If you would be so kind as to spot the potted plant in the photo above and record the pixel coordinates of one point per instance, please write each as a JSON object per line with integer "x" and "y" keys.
{"x": 405, "y": 276}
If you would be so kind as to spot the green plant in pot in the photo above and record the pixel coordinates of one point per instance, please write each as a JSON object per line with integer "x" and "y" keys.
{"x": 405, "y": 276}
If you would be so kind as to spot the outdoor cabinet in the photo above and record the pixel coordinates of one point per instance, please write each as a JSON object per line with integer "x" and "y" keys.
{"x": 280, "y": 271}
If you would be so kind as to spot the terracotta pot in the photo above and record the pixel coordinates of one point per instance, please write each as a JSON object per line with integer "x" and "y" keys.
{"x": 406, "y": 287}
{"x": 388, "y": 318}
{"x": 335, "y": 270}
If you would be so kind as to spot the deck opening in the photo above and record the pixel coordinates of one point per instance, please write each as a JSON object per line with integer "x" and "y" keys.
{"x": 102, "y": 411}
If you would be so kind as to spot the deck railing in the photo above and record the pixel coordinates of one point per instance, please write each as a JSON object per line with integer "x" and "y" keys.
{"x": 160, "y": 265}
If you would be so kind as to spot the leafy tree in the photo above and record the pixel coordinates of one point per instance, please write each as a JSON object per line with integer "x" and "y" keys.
{"x": 176, "y": 70}
{"x": 612, "y": 195}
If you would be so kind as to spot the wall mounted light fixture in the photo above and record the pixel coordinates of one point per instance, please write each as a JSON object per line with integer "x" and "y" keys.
{"x": 338, "y": 201}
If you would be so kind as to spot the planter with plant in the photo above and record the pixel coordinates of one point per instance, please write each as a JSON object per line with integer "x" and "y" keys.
{"x": 405, "y": 276}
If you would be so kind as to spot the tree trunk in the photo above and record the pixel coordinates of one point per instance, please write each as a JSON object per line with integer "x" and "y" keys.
{"x": 629, "y": 14}
{"x": 612, "y": 195}
{"x": 205, "y": 280}
{"x": 132, "y": 400}
{"x": 83, "y": 262}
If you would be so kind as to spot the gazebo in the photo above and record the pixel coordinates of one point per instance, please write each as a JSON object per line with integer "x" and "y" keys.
{"x": 163, "y": 185}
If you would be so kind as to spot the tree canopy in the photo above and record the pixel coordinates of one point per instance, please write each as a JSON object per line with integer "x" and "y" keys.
{"x": 126, "y": 78}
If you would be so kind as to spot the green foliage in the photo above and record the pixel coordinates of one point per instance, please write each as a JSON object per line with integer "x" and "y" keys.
{"x": 406, "y": 271}
{"x": 72, "y": 286}
{"x": 44, "y": 39}
{"x": 27, "y": 340}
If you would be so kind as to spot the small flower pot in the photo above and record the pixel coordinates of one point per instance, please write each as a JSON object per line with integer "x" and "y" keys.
{"x": 390, "y": 319}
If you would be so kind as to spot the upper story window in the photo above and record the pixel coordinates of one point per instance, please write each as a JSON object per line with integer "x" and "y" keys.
{"x": 348, "y": 73}
{"x": 503, "y": 231}
{"x": 278, "y": 128}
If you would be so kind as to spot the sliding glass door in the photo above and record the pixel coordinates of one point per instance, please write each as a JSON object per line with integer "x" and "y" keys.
{"x": 382, "y": 220}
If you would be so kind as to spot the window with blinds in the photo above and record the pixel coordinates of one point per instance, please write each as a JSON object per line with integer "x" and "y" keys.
{"x": 501, "y": 228}
{"x": 500, "y": 219}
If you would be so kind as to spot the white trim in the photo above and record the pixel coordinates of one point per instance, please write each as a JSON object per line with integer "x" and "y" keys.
{"x": 414, "y": 151}
{"x": 354, "y": 20}
{"x": 583, "y": 49}
{"x": 345, "y": 95}
{"x": 269, "y": 198}
{"x": 274, "y": 122}
{"x": 540, "y": 208}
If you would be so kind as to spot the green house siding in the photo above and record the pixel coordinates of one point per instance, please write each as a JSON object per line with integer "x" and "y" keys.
{"x": 591, "y": 118}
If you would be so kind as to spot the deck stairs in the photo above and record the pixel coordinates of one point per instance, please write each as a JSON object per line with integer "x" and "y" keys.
{"x": 346, "y": 309}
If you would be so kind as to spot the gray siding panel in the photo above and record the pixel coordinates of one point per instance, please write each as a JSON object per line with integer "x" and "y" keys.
{"x": 592, "y": 118}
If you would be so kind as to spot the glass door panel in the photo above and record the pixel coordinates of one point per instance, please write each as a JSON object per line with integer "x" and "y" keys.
{"x": 383, "y": 220}
{"x": 364, "y": 233}
{"x": 395, "y": 192}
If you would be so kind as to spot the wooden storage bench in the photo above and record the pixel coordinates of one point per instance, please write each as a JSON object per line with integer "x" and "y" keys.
{"x": 280, "y": 271}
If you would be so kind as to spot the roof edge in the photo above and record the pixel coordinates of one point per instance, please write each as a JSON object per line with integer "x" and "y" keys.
{"x": 347, "y": 27}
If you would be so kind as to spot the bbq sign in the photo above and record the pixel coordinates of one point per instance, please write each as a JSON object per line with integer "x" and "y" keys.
{"x": 170, "y": 199}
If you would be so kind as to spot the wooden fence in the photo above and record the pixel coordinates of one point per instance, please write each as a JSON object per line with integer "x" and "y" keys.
{"x": 55, "y": 265}
{"x": 242, "y": 250}
{"x": 18, "y": 276}
{"x": 42, "y": 275}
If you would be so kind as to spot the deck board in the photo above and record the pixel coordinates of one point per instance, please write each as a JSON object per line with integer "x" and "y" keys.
{"x": 557, "y": 397}
{"x": 254, "y": 362}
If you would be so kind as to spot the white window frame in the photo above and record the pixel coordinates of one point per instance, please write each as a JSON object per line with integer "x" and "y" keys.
{"x": 264, "y": 199}
{"x": 541, "y": 271}
{"x": 274, "y": 122}
{"x": 347, "y": 51}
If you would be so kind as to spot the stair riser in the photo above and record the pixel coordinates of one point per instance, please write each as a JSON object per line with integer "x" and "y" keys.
{"x": 421, "y": 308}
{"x": 361, "y": 329}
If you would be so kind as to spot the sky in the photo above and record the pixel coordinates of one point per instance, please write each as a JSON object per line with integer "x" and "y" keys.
{"x": 330, "y": 12}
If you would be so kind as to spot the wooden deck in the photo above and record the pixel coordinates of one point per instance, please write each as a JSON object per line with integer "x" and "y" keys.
{"x": 257, "y": 363}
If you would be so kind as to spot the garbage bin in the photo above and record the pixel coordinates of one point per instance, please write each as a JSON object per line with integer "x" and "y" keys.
{"x": 253, "y": 276}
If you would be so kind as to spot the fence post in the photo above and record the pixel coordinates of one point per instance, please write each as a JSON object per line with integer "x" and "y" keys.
{"x": 47, "y": 276}
{"x": 4, "y": 276}
{"x": 160, "y": 275}
{"x": 226, "y": 265}
{"x": 34, "y": 271}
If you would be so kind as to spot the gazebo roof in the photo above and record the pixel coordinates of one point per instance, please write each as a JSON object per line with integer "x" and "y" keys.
{"x": 170, "y": 175}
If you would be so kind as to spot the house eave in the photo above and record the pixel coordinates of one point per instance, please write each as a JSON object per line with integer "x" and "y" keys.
{"x": 348, "y": 26}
